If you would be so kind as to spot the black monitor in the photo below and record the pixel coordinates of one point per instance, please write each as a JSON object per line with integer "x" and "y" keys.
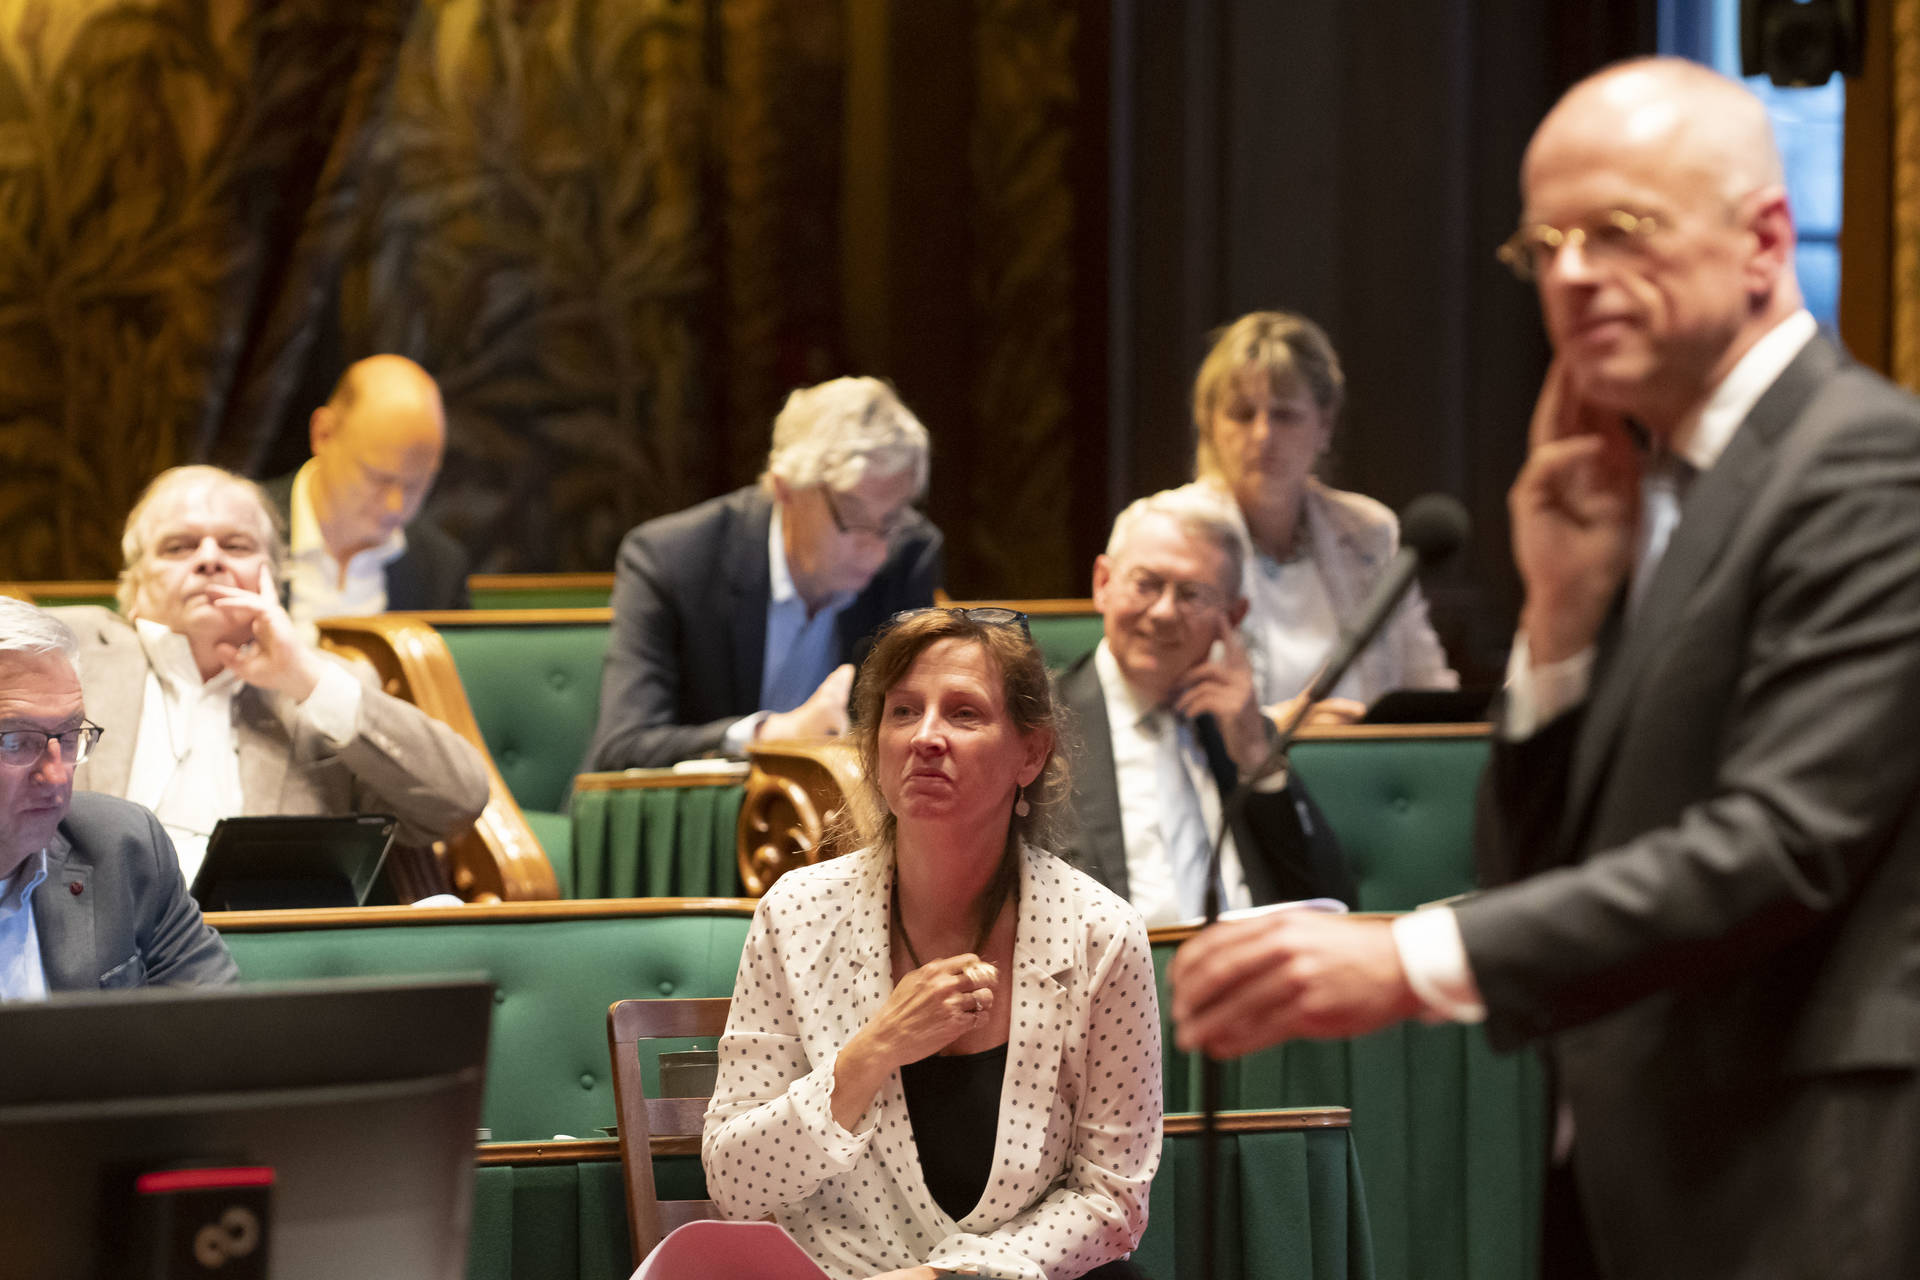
{"x": 361, "y": 1097}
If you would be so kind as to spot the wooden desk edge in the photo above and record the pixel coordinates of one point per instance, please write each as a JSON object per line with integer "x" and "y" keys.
{"x": 475, "y": 913}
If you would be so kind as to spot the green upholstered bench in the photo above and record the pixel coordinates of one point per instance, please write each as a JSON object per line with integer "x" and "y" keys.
{"x": 1065, "y": 630}
{"x": 1292, "y": 1204}
{"x": 532, "y": 677}
{"x": 557, "y": 966}
{"x": 657, "y": 833}
{"x": 1451, "y": 1134}
{"x": 540, "y": 590}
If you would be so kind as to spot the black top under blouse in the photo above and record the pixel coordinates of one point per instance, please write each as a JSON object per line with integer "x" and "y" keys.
{"x": 953, "y": 1102}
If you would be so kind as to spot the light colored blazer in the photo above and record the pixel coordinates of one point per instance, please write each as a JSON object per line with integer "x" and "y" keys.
{"x": 1351, "y": 538}
{"x": 401, "y": 760}
{"x": 1079, "y": 1129}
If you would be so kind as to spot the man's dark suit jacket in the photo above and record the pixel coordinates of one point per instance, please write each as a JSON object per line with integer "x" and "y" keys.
{"x": 1284, "y": 856}
{"x": 1717, "y": 909}
{"x": 689, "y": 635}
{"x": 430, "y": 574}
{"x": 114, "y": 910}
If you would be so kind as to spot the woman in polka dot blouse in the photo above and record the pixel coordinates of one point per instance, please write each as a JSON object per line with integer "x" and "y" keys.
{"x": 944, "y": 1050}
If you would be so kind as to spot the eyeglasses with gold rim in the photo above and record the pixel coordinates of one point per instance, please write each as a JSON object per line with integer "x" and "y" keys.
{"x": 1604, "y": 238}
{"x": 885, "y": 529}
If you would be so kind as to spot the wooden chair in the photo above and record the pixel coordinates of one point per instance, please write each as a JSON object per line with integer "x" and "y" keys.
{"x": 669, "y": 1126}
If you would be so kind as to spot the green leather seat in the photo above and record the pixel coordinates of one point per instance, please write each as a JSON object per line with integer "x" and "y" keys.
{"x": 535, "y": 692}
{"x": 557, "y": 967}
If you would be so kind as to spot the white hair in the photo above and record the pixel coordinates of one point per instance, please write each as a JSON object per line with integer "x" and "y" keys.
{"x": 27, "y": 629}
{"x": 137, "y": 539}
{"x": 1200, "y": 513}
{"x": 840, "y": 432}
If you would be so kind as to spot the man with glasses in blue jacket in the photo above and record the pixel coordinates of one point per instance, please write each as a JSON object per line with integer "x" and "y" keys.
{"x": 740, "y": 618}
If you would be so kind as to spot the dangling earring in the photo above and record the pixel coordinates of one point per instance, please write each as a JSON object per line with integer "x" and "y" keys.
{"x": 1020, "y": 806}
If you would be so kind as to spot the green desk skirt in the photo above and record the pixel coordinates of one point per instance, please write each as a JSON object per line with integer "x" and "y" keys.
{"x": 1292, "y": 1209}
{"x": 657, "y": 842}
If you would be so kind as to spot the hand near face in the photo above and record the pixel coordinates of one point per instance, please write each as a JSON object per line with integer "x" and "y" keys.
{"x": 930, "y": 1008}
{"x": 822, "y": 715}
{"x": 1249, "y": 984}
{"x": 1575, "y": 510}
{"x": 1221, "y": 685}
{"x": 274, "y": 656}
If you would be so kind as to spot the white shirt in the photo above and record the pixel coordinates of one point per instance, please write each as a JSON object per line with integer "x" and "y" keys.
{"x": 1294, "y": 624}
{"x": 1146, "y": 747}
{"x": 1428, "y": 941}
{"x": 22, "y": 976}
{"x": 186, "y": 762}
{"x": 316, "y": 586}
{"x": 799, "y": 652}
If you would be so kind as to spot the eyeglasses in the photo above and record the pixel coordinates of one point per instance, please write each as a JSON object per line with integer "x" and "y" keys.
{"x": 886, "y": 529}
{"x": 1142, "y": 589}
{"x": 986, "y": 616}
{"x": 22, "y": 748}
{"x": 1607, "y": 239}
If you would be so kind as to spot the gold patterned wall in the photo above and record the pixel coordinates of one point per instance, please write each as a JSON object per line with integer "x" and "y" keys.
{"x": 613, "y": 229}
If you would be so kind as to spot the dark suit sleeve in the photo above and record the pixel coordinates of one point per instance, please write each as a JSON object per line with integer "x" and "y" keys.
{"x": 1813, "y": 775}
{"x": 1522, "y": 801}
{"x": 177, "y": 945}
{"x": 640, "y": 686}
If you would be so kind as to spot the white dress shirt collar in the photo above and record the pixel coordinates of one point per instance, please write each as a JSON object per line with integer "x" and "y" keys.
{"x": 1704, "y": 435}
{"x": 318, "y": 587}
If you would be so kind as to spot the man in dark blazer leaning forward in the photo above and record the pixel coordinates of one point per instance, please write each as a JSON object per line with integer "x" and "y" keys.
{"x": 739, "y": 618}
{"x": 1166, "y": 720}
{"x": 1700, "y": 822}
{"x": 91, "y": 893}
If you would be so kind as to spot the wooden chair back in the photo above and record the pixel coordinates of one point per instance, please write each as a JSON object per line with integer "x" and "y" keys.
{"x": 645, "y": 1122}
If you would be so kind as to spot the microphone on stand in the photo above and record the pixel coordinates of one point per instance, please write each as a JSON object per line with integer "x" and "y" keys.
{"x": 1432, "y": 528}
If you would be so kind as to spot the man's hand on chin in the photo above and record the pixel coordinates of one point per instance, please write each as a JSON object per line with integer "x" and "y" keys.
{"x": 271, "y": 655}
{"x": 1250, "y": 984}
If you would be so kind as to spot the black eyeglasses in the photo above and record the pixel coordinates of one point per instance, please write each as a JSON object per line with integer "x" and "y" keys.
{"x": 988, "y": 616}
{"x": 885, "y": 529}
{"x": 24, "y": 747}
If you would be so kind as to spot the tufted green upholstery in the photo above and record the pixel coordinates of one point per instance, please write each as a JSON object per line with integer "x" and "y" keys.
{"x": 535, "y": 690}
{"x": 557, "y": 965}
{"x": 1065, "y": 638}
{"x": 1403, "y": 808}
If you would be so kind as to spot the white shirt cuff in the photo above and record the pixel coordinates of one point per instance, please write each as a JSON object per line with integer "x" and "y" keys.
{"x": 1435, "y": 960}
{"x": 334, "y": 705}
{"x": 734, "y": 741}
{"x": 1537, "y": 695}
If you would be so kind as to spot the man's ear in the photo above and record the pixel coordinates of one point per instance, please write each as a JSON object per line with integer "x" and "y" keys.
{"x": 1237, "y": 611}
{"x": 782, "y": 491}
{"x": 1770, "y": 221}
{"x": 1102, "y": 575}
{"x": 321, "y": 426}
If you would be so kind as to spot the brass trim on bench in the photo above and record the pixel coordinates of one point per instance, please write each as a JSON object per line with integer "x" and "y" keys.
{"x": 1181, "y": 1125}
{"x": 507, "y": 583}
{"x": 1285, "y": 1120}
{"x": 651, "y": 779}
{"x": 575, "y": 616}
{"x": 475, "y": 913}
{"x": 1402, "y": 732}
{"x": 1051, "y": 608}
